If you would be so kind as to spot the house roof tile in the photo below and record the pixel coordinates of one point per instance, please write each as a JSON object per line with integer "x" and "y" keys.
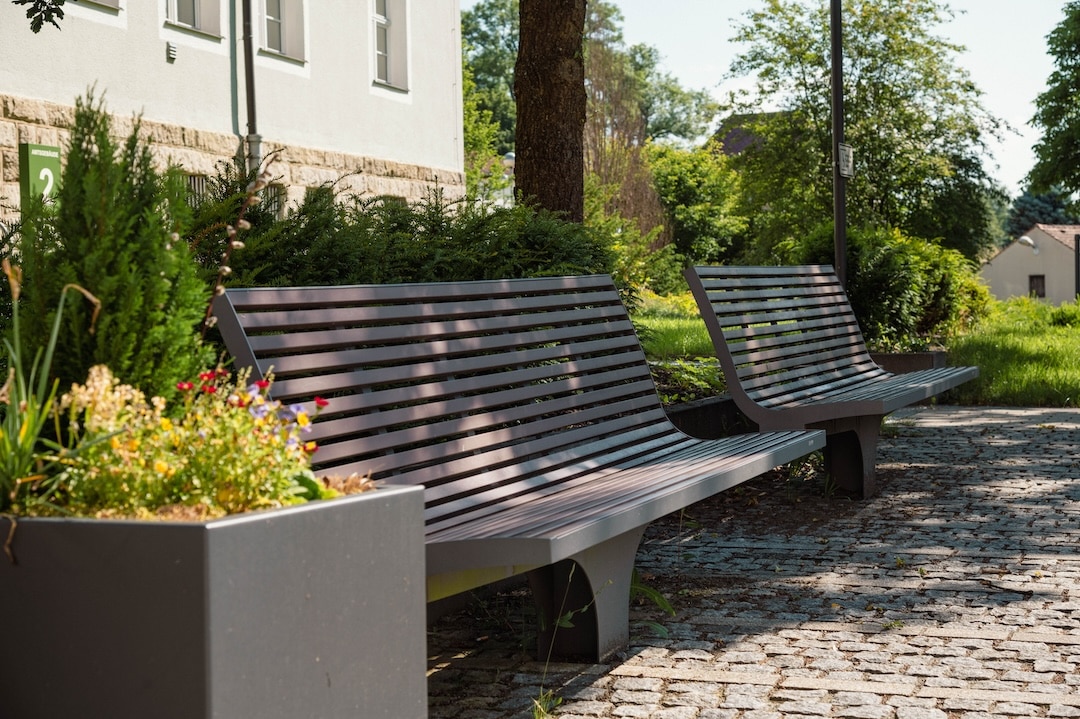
{"x": 1065, "y": 234}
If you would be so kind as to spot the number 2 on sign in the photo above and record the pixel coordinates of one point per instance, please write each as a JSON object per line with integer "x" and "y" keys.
{"x": 47, "y": 175}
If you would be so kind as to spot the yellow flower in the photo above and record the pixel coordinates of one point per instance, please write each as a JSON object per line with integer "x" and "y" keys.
{"x": 166, "y": 424}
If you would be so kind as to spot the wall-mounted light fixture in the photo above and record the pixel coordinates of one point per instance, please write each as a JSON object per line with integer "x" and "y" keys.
{"x": 1025, "y": 240}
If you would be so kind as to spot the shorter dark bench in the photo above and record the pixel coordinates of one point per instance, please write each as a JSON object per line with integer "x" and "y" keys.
{"x": 794, "y": 357}
{"x": 526, "y": 409}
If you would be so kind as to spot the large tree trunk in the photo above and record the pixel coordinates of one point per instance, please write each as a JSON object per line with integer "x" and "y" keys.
{"x": 550, "y": 89}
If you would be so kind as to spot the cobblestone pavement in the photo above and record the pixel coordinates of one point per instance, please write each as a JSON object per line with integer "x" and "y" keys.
{"x": 955, "y": 593}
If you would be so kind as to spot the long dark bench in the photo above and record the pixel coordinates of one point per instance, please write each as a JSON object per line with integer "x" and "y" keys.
{"x": 527, "y": 410}
{"x": 794, "y": 357}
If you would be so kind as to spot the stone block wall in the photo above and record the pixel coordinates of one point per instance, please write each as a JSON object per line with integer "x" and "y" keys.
{"x": 198, "y": 152}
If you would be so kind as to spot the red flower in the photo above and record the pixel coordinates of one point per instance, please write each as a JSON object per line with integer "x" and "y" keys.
{"x": 209, "y": 388}
{"x": 262, "y": 384}
{"x": 206, "y": 376}
{"x": 222, "y": 372}
{"x": 185, "y": 386}
{"x": 310, "y": 447}
{"x": 320, "y": 402}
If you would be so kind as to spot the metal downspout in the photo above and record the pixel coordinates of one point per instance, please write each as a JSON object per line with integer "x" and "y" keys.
{"x": 254, "y": 140}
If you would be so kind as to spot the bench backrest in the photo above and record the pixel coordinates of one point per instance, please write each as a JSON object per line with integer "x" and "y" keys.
{"x": 435, "y": 383}
{"x": 784, "y": 333}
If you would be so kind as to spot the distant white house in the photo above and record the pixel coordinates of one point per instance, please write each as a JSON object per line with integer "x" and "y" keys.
{"x": 364, "y": 90}
{"x": 1041, "y": 263}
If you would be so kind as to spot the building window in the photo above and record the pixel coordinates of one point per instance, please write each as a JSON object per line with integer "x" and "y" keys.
{"x": 275, "y": 198}
{"x": 197, "y": 189}
{"x": 283, "y": 25}
{"x": 201, "y": 15}
{"x": 1037, "y": 285}
{"x": 274, "y": 36}
{"x": 391, "y": 56}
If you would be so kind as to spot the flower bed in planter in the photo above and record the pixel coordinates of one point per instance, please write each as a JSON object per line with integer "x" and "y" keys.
{"x": 311, "y": 610}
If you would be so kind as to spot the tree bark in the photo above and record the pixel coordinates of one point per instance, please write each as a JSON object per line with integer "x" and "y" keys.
{"x": 550, "y": 89}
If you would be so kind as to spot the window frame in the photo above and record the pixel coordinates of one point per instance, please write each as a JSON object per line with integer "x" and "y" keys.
{"x": 207, "y": 20}
{"x": 290, "y": 30}
{"x": 389, "y": 44}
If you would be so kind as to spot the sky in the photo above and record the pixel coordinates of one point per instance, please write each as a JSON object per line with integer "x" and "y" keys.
{"x": 1006, "y": 57}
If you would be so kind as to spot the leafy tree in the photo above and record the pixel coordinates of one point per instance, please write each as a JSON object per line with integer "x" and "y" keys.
{"x": 699, "y": 192}
{"x": 615, "y": 130}
{"x": 490, "y": 33}
{"x": 669, "y": 110}
{"x": 1030, "y": 209}
{"x": 483, "y": 164}
{"x": 43, "y": 11}
{"x": 1057, "y": 154}
{"x": 912, "y": 114}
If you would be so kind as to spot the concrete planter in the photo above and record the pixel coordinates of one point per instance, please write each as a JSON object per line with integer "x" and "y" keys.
{"x": 709, "y": 418}
{"x": 901, "y": 362}
{"x": 316, "y": 610}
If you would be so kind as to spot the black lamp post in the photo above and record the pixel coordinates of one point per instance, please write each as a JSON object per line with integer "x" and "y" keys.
{"x": 839, "y": 181}
{"x": 1076, "y": 259}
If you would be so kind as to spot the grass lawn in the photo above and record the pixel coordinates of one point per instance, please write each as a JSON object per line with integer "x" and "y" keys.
{"x": 1028, "y": 354}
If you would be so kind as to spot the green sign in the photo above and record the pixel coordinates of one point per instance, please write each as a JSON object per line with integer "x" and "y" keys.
{"x": 39, "y": 171}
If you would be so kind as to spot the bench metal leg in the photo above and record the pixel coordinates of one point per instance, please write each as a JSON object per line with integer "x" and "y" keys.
{"x": 851, "y": 455}
{"x": 593, "y": 587}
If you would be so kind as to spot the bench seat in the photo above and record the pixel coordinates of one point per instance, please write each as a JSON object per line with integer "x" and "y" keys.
{"x": 526, "y": 409}
{"x": 794, "y": 357}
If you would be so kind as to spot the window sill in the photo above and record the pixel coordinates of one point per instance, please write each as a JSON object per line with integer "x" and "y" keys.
{"x": 266, "y": 52}
{"x": 188, "y": 30}
{"x": 389, "y": 86}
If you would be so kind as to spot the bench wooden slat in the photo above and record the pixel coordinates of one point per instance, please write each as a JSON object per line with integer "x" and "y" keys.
{"x": 794, "y": 357}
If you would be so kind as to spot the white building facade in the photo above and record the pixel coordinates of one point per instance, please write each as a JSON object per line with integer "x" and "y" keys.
{"x": 364, "y": 93}
{"x": 1043, "y": 263}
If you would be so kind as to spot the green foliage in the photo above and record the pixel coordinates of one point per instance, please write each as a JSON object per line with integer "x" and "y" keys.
{"x": 1057, "y": 153}
{"x": 911, "y": 112}
{"x": 699, "y": 192}
{"x": 669, "y": 110}
{"x": 906, "y": 293}
{"x": 489, "y": 31}
{"x": 330, "y": 239}
{"x": 1026, "y": 353}
{"x": 1066, "y": 315}
{"x": 42, "y": 11}
{"x": 1030, "y": 209}
{"x": 637, "y": 263}
{"x": 27, "y": 399}
{"x": 114, "y": 232}
{"x": 685, "y": 380}
{"x": 483, "y": 165}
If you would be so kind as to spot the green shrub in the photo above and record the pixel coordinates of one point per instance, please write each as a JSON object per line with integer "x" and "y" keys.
{"x": 113, "y": 231}
{"x": 1066, "y": 315}
{"x": 907, "y": 293}
{"x": 331, "y": 239}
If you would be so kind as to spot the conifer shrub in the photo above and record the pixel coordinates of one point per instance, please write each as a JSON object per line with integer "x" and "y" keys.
{"x": 335, "y": 239}
{"x": 115, "y": 230}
